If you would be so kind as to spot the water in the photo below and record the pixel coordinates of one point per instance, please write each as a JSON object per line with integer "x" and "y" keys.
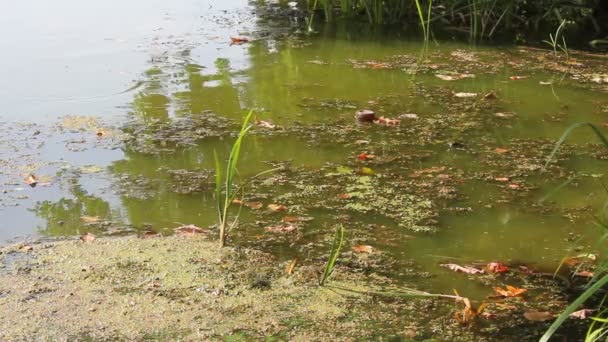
{"x": 147, "y": 63}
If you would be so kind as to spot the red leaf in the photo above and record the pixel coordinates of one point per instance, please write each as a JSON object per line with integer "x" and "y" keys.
{"x": 277, "y": 207}
{"x": 511, "y": 291}
{"x": 497, "y": 267}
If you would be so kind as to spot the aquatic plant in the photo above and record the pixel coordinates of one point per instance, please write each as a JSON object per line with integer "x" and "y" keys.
{"x": 336, "y": 248}
{"x": 225, "y": 199}
{"x": 425, "y": 24}
{"x": 600, "y": 279}
{"x": 226, "y": 190}
{"x": 554, "y": 40}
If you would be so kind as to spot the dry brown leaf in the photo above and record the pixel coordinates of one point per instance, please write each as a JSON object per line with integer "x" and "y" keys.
{"x": 277, "y": 207}
{"x": 265, "y": 124}
{"x": 31, "y": 180}
{"x": 502, "y": 179}
{"x": 497, "y": 267}
{"x": 538, "y": 316}
{"x": 149, "y": 234}
{"x": 511, "y": 291}
{"x": 189, "y": 230}
{"x": 254, "y": 205}
{"x": 26, "y": 248}
{"x": 240, "y": 39}
{"x": 582, "y": 314}
{"x": 464, "y": 269}
{"x": 587, "y": 274}
{"x": 291, "y": 266}
{"x": 282, "y": 228}
{"x": 88, "y": 237}
{"x": 344, "y": 196}
{"x": 363, "y": 249}
{"x": 500, "y": 150}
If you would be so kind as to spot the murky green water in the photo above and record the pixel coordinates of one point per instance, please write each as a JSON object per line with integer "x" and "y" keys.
{"x": 151, "y": 71}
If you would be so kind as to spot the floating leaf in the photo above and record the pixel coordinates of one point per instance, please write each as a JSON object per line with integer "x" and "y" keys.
{"x": 497, "y": 267}
{"x": 240, "y": 39}
{"x": 511, "y": 291}
{"x": 26, "y": 248}
{"x": 365, "y": 156}
{"x": 465, "y": 95}
{"x": 282, "y": 228}
{"x": 582, "y": 314}
{"x": 454, "y": 77}
{"x": 515, "y": 78}
{"x": 189, "y": 230}
{"x": 502, "y": 179}
{"x": 387, "y": 121}
{"x": 277, "y": 207}
{"x": 31, "y": 180}
{"x": 88, "y": 237}
{"x": 464, "y": 269}
{"x": 264, "y": 124}
{"x": 149, "y": 234}
{"x": 501, "y": 150}
{"x": 254, "y": 205}
{"x": 587, "y": 274}
{"x": 363, "y": 249}
{"x": 538, "y": 316}
{"x": 344, "y": 196}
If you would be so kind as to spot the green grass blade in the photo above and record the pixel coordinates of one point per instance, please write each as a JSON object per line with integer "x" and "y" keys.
{"x": 335, "y": 252}
{"x": 218, "y": 183}
{"x": 572, "y": 307}
{"x": 421, "y": 17}
{"x": 568, "y": 131}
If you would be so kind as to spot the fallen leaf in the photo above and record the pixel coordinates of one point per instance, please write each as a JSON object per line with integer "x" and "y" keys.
{"x": 277, "y": 207}
{"x": 88, "y": 237}
{"x": 497, "y": 267}
{"x": 26, "y": 248}
{"x": 511, "y": 291}
{"x": 237, "y": 201}
{"x": 514, "y": 186}
{"x": 500, "y": 150}
{"x": 408, "y": 116}
{"x": 240, "y": 39}
{"x": 31, "y": 180}
{"x": 365, "y": 156}
{"x": 292, "y": 219}
{"x": 465, "y": 95}
{"x": 254, "y": 205}
{"x": 149, "y": 234}
{"x": 502, "y": 179}
{"x": 587, "y": 274}
{"x": 291, "y": 266}
{"x": 454, "y": 77}
{"x": 100, "y": 133}
{"x": 387, "y": 121}
{"x": 189, "y": 230}
{"x": 344, "y": 196}
{"x": 464, "y": 269}
{"x": 264, "y": 124}
{"x": 282, "y": 228}
{"x": 363, "y": 249}
{"x": 538, "y": 316}
{"x": 90, "y": 219}
{"x": 582, "y": 314}
{"x": 515, "y": 78}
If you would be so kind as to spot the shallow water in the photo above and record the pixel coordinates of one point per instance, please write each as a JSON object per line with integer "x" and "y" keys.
{"x": 144, "y": 63}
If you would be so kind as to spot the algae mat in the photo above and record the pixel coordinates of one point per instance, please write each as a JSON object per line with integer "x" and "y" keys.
{"x": 178, "y": 288}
